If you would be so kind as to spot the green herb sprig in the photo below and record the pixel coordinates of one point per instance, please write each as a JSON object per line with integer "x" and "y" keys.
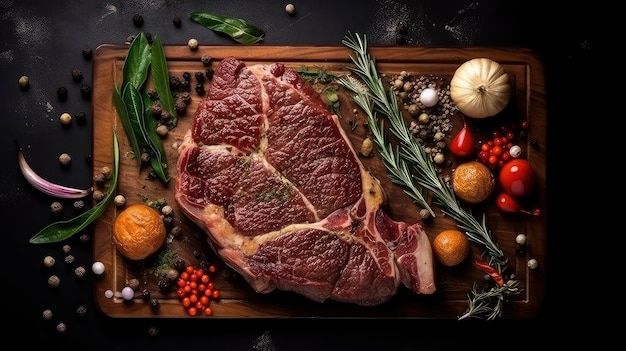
{"x": 412, "y": 152}
{"x": 61, "y": 230}
{"x": 130, "y": 102}
{"x": 238, "y": 29}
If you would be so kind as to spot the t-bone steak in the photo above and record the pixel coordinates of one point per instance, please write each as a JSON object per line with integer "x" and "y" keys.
{"x": 270, "y": 175}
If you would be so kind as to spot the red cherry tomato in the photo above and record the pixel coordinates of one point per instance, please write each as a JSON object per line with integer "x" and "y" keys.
{"x": 517, "y": 177}
{"x": 508, "y": 203}
{"x": 463, "y": 144}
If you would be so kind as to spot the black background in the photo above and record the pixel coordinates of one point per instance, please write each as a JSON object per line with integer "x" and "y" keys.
{"x": 44, "y": 40}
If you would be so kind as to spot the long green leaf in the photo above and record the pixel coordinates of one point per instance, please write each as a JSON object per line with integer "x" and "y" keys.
{"x": 158, "y": 161}
{"x": 161, "y": 79}
{"x": 238, "y": 29}
{"x": 120, "y": 106}
{"x": 135, "y": 69}
{"x": 61, "y": 230}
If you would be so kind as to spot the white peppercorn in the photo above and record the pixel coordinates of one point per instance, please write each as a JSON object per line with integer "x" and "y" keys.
{"x": 49, "y": 261}
{"x": 98, "y": 195}
{"x": 66, "y": 248}
{"x": 24, "y": 82}
{"x": 54, "y": 281}
{"x": 65, "y": 118}
{"x": 47, "y": 314}
{"x": 69, "y": 259}
{"x": 85, "y": 238}
{"x": 153, "y": 331}
{"x": 133, "y": 283}
{"x": 61, "y": 327}
{"x": 65, "y": 159}
{"x": 533, "y": 264}
{"x": 79, "y": 204}
{"x": 290, "y": 9}
{"x": 119, "y": 200}
{"x": 520, "y": 239}
{"x": 193, "y": 44}
{"x": 167, "y": 210}
{"x": 439, "y": 158}
{"x": 162, "y": 130}
{"x": 56, "y": 207}
{"x": 106, "y": 171}
{"x": 423, "y": 118}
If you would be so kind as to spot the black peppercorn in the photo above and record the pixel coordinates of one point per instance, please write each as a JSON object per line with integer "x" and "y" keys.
{"x": 164, "y": 283}
{"x": 145, "y": 294}
{"x": 200, "y": 89}
{"x": 209, "y": 73}
{"x": 200, "y": 77}
{"x": 85, "y": 91}
{"x": 81, "y": 117}
{"x": 180, "y": 264}
{"x": 206, "y": 59}
{"x": 87, "y": 53}
{"x": 77, "y": 75}
{"x": 154, "y": 302}
{"x": 177, "y": 22}
{"x": 185, "y": 97}
{"x": 186, "y": 76}
{"x": 174, "y": 83}
{"x": 62, "y": 93}
{"x": 148, "y": 37}
{"x": 152, "y": 94}
{"x": 185, "y": 85}
{"x": 180, "y": 105}
{"x": 138, "y": 20}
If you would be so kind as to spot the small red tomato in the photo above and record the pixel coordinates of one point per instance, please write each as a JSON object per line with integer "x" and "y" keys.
{"x": 463, "y": 144}
{"x": 517, "y": 177}
{"x": 508, "y": 203}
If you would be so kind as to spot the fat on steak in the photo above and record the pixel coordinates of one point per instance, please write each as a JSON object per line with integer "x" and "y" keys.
{"x": 269, "y": 174}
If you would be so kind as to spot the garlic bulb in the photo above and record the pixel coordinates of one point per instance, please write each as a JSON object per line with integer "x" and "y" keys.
{"x": 480, "y": 88}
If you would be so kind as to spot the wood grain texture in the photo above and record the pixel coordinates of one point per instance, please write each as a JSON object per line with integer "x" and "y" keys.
{"x": 238, "y": 300}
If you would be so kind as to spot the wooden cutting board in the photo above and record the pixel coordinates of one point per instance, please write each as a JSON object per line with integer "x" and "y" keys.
{"x": 238, "y": 300}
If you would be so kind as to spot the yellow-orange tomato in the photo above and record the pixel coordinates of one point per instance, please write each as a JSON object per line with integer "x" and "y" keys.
{"x": 451, "y": 247}
{"x": 138, "y": 231}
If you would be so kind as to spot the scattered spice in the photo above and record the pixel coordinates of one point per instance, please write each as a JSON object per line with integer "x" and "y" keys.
{"x": 119, "y": 200}
{"x": 80, "y": 271}
{"x": 79, "y": 204}
{"x": 85, "y": 91}
{"x": 66, "y": 248}
{"x": 54, "y": 281}
{"x": 81, "y": 117}
{"x": 206, "y": 59}
{"x": 77, "y": 75}
{"x": 138, "y": 20}
{"x": 47, "y": 314}
{"x": 62, "y": 93}
{"x": 533, "y": 264}
{"x": 85, "y": 238}
{"x": 81, "y": 310}
{"x": 177, "y": 22}
{"x": 193, "y": 44}
{"x": 56, "y": 207}
{"x": 69, "y": 259}
{"x": 65, "y": 118}
{"x": 61, "y": 327}
{"x": 87, "y": 53}
{"x": 290, "y": 9}
{"x": 65, "y": 159}
{"x": 24, "y": 82}
{"x": 49, "y": 261}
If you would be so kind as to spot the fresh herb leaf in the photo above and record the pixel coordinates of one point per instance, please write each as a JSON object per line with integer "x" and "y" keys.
{"x": 137, "y": 63}
{"x": 161, "y": 79}
{"x": 61, "y": 230}
{"x": 238, "y": 29}
{"x": 123, "y": 114}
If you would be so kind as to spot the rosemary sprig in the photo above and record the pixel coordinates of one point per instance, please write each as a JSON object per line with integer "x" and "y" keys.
{"x": 487, "y": 304}
{"x": 481, "y": 304}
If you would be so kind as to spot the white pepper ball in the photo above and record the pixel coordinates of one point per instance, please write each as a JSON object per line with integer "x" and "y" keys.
{"x": 133, "y": 283}
{"x": 81, "y": 310}
{"x": 66, "y": 248}
{"x": 54, "y": 281}
{"x": 97, "y": 268}
{"x": 119, "y": 200}
{"x": 533, "y": 264}
{"x": 515, "y": 151}
{"x": 65, "y": 118}
{"x": 520, "y": 239}
{"x": 128, "y": 293}
{"x": 79, "y": 204}
{"x": 290, "y": 9}
{"x": 49, "y": 261}
{"x": 106, "y": 172}
{"x": 56, "y": 207}
{"x": 97, "y": 195}
{"x": 61, "y": 327}
{"x": 47, "y": 314}
{"x": 193, "y": 44}
{"x": 65, "y": 159}
{"x": 167, "y": 210}
{"x": 162, "y": 130}
{"x": 24, "y": 81}
{"x": 429, "y": 97}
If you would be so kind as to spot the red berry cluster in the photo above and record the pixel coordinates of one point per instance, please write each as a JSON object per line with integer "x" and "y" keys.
{"x": 494, "y": 153}
{"x": 196, "y": 290}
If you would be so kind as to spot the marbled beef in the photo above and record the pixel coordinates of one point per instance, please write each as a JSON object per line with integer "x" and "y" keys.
{"x": 269, "y": 174}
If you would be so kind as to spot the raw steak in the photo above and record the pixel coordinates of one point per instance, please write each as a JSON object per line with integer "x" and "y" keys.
{"x": 269, "y": 174}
